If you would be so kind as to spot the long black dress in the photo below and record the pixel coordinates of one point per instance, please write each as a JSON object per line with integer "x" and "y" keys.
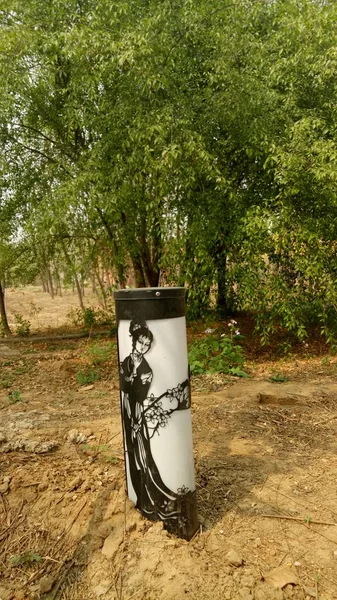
{"x": 154, "y": 499}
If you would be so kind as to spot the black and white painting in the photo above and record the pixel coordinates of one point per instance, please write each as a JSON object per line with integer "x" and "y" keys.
{"x": 156, "y": 415}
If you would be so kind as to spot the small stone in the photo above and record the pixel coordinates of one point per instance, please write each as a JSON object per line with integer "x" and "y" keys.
{"x": 131, "y": 527}
{"x": 233, "y": 558}
{"x": 257, "y": 542}
{"x": 86, "y": 485}
{"x": 20, "y": 595}
{"x": 46, "y": 584}
{"x": 112, "y": 542}
{"x": 44, "y": 485}
{"x": 75, "y": 483}
{"x": 4, "y": 487}
{"x": 310, "y": 591}
{"x": 72, "y": 435}
{"x": 88, "y": 432}
{"x": 104, "y": 530}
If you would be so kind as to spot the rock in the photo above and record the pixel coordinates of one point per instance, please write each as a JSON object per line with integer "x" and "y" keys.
{"x": 72, "y": 435}
{"x": 25, "y": 445}
{"x": 233, "y": 558}
{"x": 75, "y": 483}
{"x": 4, "y": 487}
{"x": 44, "y": 485}
{"x": 104, "y": 530}
{"x": 46, "y": 584}
{"x": 20, "y": 595}
{"x": 86, "y": 485}
{"x": 281, "y": 576}
{"x": 131, "y": 527}
{"x": 76, "y": 437}
{"x": 88, "y": 432}
{"x": 112, "y": 543}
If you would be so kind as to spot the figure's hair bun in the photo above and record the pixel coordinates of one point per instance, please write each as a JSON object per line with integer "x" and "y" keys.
{"x": 134, "y": 325}
{"x": 138, "y": 329}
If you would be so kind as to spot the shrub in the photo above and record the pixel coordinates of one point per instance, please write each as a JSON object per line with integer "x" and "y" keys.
{"x": 86, "y": 376}
{"x": 101, "y": 354}
{"x": 22, "y": 326}
{"x": 217, "y": 353}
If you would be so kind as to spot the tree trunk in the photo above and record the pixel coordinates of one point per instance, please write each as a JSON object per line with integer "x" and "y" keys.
{"x": 138, "y": 271}
{"x": 58, "y": 282}
{"x": 44, "y": 285}
{"x": 221, "y": 266}
{"x": 150, "y": 256}
{"x": 101, "y": 285}
{"x": 3, "y": 315}
{"x": 73, "y": 270}
{"x": 50, "y": 282}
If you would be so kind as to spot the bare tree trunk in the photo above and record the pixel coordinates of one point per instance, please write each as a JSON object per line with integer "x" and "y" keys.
{"x": 101, "y": 285}
{"x": 58, "y": 282}
{"x": 50, "y": 282}
{"x": 93, "y": 283}
{"x": 73, "y": 270}
{"x": 138, "y": 271}
{"x": 44, "y": 285}
{"x": 3, "y": 315}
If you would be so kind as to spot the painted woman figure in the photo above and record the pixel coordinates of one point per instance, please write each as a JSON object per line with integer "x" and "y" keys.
{"x": 143, "y": 416}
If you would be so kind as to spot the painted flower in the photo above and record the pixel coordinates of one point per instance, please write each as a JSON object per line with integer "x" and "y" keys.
{"x": 183, "y": 490}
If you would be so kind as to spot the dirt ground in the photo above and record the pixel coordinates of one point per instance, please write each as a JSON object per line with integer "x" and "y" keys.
{"x": 41, "y": 310}
{"x": 266, "y": 470}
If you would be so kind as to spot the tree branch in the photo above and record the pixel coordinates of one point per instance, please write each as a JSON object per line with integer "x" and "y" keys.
{"x": 35, "y": 151}
{"x": 44, "y": 136}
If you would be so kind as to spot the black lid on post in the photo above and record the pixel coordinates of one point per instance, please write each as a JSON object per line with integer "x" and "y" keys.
{"x": 150, "y": 303}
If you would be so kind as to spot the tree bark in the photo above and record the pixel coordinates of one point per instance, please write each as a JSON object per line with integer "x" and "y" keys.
{"x": 3, "y": 315}
{"x": 73, "y": 270}
{"x": 221, "y": 266}
{"x": 102, "y": 300}
{"x": 138, "y": 271}
{"x": 50, "y": 282}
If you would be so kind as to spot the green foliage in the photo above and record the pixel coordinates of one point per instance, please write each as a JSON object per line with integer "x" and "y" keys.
{"x": 216, "y": 354}
{"x": 87, "y": 376}
{"x": 278, "y": 378}
{"x": 92, "y": 316}
{"x": 14, "y": 397}
{"x": 100, "y": 354}
{"x": 102, "y": 451}
{"x": 25, "y": 559}
{"x": 192, "y": 140}
{"x": 22, "y": 326}
{"x": 6, "y": 382}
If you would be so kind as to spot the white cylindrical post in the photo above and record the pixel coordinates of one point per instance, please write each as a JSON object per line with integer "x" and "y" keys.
{"x": 156, "y": 406}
